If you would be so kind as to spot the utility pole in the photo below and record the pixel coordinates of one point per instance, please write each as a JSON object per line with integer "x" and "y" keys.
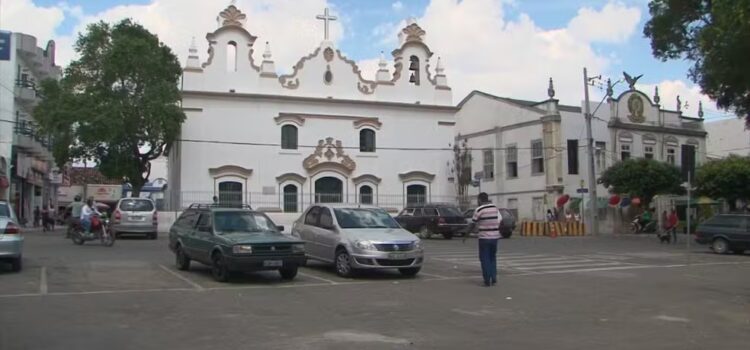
{"x": 593, "y": 214}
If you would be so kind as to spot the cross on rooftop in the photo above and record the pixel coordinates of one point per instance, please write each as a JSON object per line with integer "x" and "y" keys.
{"x": 326, "y": 18}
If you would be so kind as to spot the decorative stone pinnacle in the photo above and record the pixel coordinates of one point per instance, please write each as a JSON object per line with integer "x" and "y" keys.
{"x": 383, "y": 63}
{"x": 193, "y": 48}
{"x": 610, "y": 89}
{"x": 267, "y": 52}
{"x": 232, "y": 16}
{"x": 439, "y": 67}
{"x": 413, "y": 31}
{"x": 679, "y": 103}
{"x": 657, "y": 99}
{"x": 551, "y": 89}
{"x": 700, "y": 109}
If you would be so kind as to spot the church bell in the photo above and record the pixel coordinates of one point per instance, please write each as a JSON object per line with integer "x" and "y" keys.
{"x": 413, "y": 78}
{"x": 414, "y": 65}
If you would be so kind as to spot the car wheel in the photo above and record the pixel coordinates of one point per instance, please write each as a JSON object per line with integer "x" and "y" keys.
{"x": 424, "y": 232}
{"x": 448, "y": 235}
{"x": 153, "y": 235}
{"x": 720, "y": 246}
{"x": 181, "y": 260}
{"x": 77, "y": 237}
{"x": 219, "y": 269}
{"x": 506, "y": 234}
{"x": 288, "y": 273}
{"x": 344, "y": 264}
{"x": 16, "y": 264}
{"x": 409, "y": 271}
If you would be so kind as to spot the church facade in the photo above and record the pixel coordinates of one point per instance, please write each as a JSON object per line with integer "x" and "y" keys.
{"x": 321, "y": 133}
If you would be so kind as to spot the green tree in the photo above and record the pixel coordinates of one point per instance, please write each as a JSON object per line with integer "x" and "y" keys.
{"x": 643, "y": 178}
{"x": 715, "y": 35}
{"x": 117, "y": 104}
{"x": 727, "y": 178}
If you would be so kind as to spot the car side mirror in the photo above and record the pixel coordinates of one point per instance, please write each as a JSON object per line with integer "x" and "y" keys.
{"x": 280, "y": 228}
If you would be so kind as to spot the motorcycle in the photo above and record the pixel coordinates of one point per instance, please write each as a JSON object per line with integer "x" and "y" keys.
{"x": 99, "y": 231}
{"x": 636, "y": 227}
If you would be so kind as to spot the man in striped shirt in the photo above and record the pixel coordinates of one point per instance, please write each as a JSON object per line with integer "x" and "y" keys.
{"x": 487, "y": 220}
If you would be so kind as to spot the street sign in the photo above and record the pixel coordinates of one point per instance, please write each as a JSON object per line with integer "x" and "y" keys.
{"x": 479, "y": 175}
{"x": 4, "y": 46}
{"x": 582, "y": 190}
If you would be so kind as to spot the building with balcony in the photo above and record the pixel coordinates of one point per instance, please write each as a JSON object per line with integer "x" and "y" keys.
{"x": 26, "y": 160}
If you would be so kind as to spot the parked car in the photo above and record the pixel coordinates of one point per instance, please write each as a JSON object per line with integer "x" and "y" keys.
{"x": 428, "y": 219}
{"x": 357, "y": 238}
{"x": 507, "y": 226}
{"x": 135, "y": 215}
{"x": 725, "y": 233}
{"x": 11, "y": 240}
{"x": 233, "y": 239}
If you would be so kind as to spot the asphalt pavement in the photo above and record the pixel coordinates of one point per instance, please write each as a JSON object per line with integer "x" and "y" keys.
{"x": 618, "y": 292}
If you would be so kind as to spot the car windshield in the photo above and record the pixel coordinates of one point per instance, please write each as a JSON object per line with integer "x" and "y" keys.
{"x": 364, "y": 218}
{"x": 136, "y": 205}
{"x": 240, "y": 221}
{"x": 449, "y": 211}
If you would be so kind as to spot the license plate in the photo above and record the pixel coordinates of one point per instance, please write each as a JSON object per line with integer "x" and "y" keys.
{"x": 397, "y": 256}
{"x": 273, "y": 263}
{"x": 137, "y": 218}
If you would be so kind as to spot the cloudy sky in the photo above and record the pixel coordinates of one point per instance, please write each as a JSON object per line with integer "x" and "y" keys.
{"x": 504, "y": 47}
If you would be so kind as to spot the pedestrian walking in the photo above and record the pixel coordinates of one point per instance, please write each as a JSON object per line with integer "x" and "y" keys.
{"x": 550, "y": 216}
{"x": 673, "y": 221}
{"x": 487, "y": 219}
{"x": 37, "y": 216}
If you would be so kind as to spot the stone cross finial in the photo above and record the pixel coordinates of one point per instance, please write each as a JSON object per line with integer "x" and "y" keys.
{"x": 326, "y": 18}
{"x": 700, "y": 109}
{"x": 610, "y": 89}
{"x": 657, "y": 99}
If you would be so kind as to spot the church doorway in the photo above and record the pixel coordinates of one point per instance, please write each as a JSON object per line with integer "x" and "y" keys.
{"x": 329, "y": 190}
{"x": 290, "y": 199}
{"x": 416, "y": 194}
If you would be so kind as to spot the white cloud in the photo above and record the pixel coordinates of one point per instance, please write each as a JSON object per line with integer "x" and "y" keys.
{"x": 398, "y": 6}
{"x": 25, "y": 17}
{"x": 614, "y": 23}
{"x": 289, "y": 25}
{"x": 690, "y": 96}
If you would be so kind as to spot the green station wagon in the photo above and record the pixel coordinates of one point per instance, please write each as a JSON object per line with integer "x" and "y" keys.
{"x": 231, "y": 239}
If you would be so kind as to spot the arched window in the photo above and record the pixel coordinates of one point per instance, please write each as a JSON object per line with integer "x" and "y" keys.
{"x": 367, "y": 140}
{"x": 231, "y": 56}
{"x": 290, "y": 199}
{"x": 289, "y": 137}
{"x": 414, "y": 69}
{"x": 230, "y": 193}
{"x": 416, "y": 194}
{"x": 365, "y": 194}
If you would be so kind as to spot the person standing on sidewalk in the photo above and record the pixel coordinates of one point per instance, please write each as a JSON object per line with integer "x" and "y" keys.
{"x": 487, "y": 219}
{"x": 673, "y": 221}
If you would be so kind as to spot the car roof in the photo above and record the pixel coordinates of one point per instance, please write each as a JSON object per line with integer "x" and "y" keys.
{"x": 431, "y": 205}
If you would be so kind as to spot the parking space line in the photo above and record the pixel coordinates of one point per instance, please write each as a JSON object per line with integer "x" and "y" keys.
{"x": 432, "y": 275}
{"x": 549, "y": 267}
{"x": 43, "y": 281}
{"x": 195, "y": 285}
{"x": 318, "y": 278}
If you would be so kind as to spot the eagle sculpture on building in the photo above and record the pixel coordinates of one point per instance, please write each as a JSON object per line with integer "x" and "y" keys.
{"x": 631, "y": 81}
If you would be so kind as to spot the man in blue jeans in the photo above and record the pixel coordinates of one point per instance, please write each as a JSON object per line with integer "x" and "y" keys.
{"x": 487, "y": 219}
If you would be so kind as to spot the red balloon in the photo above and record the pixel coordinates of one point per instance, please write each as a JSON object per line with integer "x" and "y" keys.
{"x": 635, "y": 201}
{"x": 562, "y": 200}
{"x": 614, "y": 200}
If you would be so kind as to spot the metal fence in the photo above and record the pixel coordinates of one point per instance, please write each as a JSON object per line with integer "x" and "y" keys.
{"x": 298, "y": 202}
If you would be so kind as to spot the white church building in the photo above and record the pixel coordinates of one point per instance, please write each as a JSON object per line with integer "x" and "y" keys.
{"x": 322, "y": 133}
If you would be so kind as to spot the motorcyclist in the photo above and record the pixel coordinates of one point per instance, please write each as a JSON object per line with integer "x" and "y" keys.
{"x": 75, "y": 214}
{"x": 87, "y": 212}
{"x": 644, "y": 220}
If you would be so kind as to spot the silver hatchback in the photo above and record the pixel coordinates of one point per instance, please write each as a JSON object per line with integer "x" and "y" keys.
{"x": 11, "y": 240}
{"x": 135, "y": 215}
{"x": 357, "y": 238}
